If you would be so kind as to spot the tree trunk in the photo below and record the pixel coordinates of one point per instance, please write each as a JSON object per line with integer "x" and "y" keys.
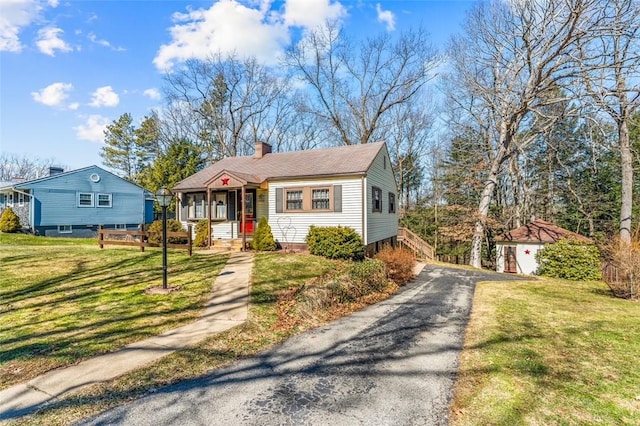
{"x": 626, "y": 158}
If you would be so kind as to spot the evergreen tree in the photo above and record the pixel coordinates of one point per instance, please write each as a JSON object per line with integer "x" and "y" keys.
{"x": 263, "y": 238}
{"x": 119, "y": 152}
{"x": 9, "y": 221}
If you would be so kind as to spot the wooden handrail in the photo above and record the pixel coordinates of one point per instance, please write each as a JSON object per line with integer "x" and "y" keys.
{"x": 413, "y": 241}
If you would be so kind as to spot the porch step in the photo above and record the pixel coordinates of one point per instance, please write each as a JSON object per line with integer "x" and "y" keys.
{"x": 229, "y": 245}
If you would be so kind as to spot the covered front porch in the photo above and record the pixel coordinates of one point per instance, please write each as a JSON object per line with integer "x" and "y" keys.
{"x": 231, "y": 203}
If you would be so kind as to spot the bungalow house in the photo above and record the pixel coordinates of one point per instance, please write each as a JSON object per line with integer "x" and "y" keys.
{"x": 76, "y": 202}
{"x": 351, "y": 186}
{"x": 516, "y": 250}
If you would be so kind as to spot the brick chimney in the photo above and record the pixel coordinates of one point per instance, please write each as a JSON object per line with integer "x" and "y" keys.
{"x": 262, "y": 149}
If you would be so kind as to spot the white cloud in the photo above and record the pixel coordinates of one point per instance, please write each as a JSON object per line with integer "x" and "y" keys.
{"x": 104, "y": 96}
{"x": 53, "y": 95}
{"x": 152, "y": 94}
{"x": 102, "y": 42}
{"x": 387, "y": 17}
{"x": 49, "y": 41}
{"x": 312, "y": 13}
{"x": 92, "y": 129}
{"x": 16, "y": 15}
{"x": 73, "y": 106}
{"x": 230, "y": 26}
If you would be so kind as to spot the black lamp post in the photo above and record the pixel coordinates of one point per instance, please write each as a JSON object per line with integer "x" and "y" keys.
{"x": 164, "y": 197}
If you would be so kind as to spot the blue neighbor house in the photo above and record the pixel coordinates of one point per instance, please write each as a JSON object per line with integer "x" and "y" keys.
{"x": 75, "y": 203}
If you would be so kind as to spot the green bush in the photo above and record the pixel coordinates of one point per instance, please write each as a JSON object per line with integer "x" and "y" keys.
{"x": 570, "y": 260}
{"x": 202, "y": 234}
{"x": 9, "y": 221}
{"x": 155, "y": 232}
{"x": 335, "y": 242}
{"x": 263, "y": 237}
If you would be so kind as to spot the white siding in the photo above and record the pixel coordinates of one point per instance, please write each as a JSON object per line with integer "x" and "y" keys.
{"x": 525, "y": 257}
{"x": 294, "y": 227}
{"x": 381, "y": 225}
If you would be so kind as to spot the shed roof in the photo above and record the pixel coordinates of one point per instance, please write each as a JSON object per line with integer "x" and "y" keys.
{"x": 336, "y": 161}
{"x": 540, "y": 231}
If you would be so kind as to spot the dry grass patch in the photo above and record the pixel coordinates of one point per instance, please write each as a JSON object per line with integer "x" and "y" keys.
{"x": 549, "y": 352}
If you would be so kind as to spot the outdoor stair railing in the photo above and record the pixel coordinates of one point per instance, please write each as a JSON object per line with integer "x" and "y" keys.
{"x": 417, "y": 245}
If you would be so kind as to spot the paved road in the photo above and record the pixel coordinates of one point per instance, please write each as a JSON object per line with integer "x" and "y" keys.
{"x": 391, "y": 364}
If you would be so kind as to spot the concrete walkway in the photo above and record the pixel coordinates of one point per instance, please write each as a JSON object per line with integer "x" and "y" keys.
{"x": 227, "y": 308}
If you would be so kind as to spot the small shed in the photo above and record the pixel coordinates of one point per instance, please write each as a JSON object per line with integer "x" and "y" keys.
{"x": 516, "y": 250}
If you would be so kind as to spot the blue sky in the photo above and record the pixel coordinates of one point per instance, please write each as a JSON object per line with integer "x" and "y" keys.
{"x": 68, "y": 68}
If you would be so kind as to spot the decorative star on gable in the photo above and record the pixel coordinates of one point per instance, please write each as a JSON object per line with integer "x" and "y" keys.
{"x": 225, "y": 181}
{"x": 527, "y": 251}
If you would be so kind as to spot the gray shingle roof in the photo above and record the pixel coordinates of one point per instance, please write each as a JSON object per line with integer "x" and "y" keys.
{"x": 337, "y": 161}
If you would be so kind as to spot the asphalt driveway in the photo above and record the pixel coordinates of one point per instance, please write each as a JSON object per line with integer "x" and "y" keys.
{"x": 393, "y": 363}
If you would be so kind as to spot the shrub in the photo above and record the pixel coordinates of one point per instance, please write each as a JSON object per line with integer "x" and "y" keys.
{"x": 335, "y": 242}
{"x": 622, "y": 268}
{"x": 202, "y": 234}
{"x": 263, "y": 237}
{"x": 569, "y": 259}
{"x": 155, "y": 232}
{"x": 9, "y": 221}
{"x": 399, "y": 263}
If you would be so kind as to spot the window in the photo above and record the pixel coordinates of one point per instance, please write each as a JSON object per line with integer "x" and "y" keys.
{"x": 320, "y": 199}
{"x": 20, "y": 199}
{"x": 10, "y": 200}
{"x": 121, "y": 226}
{"x": 2, "y": 200}
{"x": 392, "y": 202}
{"x": 104, "y": 200}
{"x": 64, "y": 229}
{"x": 376, "y": 195}
{"x": 294, "y": 199}
{"x": 197, "y": 206}
{"x": 85, "y": 199}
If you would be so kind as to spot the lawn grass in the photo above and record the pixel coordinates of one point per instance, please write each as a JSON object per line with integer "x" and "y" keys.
{"x": 274, "y": 275}
{"x": 549, "y": 352}
{"x": 65, "y": 300}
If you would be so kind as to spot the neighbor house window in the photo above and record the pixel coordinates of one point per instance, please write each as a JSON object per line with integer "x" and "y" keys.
{"x": 85, "y": 199}
{"x": 10, "y": 200}
{"x": 20, "y": 199}
{"x": 104, "y": 200}
{"x": 2, "y": 200}
{"x": 294, "y": 199}
{"x": 64, "y": 229}
{"x": 121, "y": 226}
{"x": 392, "y": 202}
{"x": 320, "y": 199}
{"x": 376, "y": 195}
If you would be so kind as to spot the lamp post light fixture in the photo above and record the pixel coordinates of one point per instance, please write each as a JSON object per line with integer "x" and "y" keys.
{"x": 164, "y": 197}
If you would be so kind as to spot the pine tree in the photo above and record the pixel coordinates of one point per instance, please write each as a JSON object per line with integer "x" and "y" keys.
{"x": 119, "y": 152}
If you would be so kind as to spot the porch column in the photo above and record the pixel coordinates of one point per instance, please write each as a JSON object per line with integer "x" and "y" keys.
{"x": 243, "y": 218}
{"x": 209, "y": 217}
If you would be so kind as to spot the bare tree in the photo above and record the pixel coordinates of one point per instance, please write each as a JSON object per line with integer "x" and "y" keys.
{"x": 226, "y": 104}
{"x": 352, "y": 87}
{"x": 510, "y": 55}
{"x": 611, "y": 75}
{"x": 14, "y": 166}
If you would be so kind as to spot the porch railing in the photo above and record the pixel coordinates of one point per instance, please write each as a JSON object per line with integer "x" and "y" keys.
{"x": 417, "y": 245}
